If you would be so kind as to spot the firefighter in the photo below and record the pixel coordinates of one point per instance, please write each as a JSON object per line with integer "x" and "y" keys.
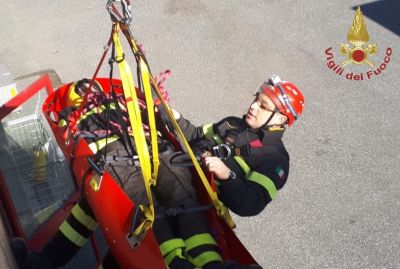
{"x": 252, "y": 162}
{"x": 104, "y": 121}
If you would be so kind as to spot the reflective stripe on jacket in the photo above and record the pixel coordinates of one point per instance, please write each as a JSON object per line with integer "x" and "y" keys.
{"x": 259, "y": 176}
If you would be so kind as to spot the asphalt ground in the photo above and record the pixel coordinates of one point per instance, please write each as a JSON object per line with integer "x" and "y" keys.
{"x": 341, "y": 205}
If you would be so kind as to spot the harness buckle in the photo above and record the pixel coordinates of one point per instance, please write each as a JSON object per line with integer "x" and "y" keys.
{"x": 75, "y": 134}
{"x": 173, "y": 211}
{"x": 97, "y": 167}
{"x": 222, "y": 151}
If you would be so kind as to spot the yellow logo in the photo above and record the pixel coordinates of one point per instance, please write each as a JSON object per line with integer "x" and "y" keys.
{"x": 358, "y": 36}
{"x": 358, "y": 52}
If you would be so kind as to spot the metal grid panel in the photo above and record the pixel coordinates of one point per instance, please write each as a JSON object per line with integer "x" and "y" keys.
{"x": 35, "y": 170}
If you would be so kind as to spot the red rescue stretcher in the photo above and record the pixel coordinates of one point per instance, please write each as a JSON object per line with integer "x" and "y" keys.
{"x": 114, "y": 210}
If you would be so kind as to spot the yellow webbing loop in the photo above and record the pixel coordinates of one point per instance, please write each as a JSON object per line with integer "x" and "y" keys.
{"x": 150, "y": 111}
{"x": 135, "y": 118}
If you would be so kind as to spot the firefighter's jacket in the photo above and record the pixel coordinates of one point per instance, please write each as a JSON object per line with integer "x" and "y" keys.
{"x": 261, "y": 170}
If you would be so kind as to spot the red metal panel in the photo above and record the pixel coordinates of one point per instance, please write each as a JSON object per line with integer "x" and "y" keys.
{"x": 23, "y": 96}
{"x": 9, "y": 209}
{"x": 229, "y": 244}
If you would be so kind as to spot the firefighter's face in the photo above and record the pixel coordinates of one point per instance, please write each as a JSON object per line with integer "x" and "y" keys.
{"x": 82, "y": 88}
{"x": 261, "y": 110}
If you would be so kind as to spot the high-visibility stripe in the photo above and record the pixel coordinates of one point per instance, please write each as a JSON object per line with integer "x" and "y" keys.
{"x": 72, "y": 235}
{"x": 62, "y": 123}
{"x": 242, "y": 163}
{"x": 169, "y": 245}
{"x": 172, "y": 255}
{"x": 96, "y": 110}
{"x": 217, "y": 139}
{"x": 256, "y": 177}
{"x": 99, "y": 144}
{"x": 208, "y": 130}
{"x": 264, "y": 181}
{"x": 91, "y": 112}
{"x": 199, "y": 240}
{"x": 205, "y": 257}
{"x": 83, "y": 218}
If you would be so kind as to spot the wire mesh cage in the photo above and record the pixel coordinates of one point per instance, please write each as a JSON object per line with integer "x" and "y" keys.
{"x": 34, "y": 168}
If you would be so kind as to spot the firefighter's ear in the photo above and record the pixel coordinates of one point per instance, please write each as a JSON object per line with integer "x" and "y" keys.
{"x": 281, "y": 119}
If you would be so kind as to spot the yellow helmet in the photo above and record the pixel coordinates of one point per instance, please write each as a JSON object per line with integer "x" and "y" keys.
{"x": 77, "y": 91}
{"x": 73, "y": 99}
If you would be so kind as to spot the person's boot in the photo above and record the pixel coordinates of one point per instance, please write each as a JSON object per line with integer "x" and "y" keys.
{"x": 180, "y": 263}
{"x": 222, "y": 265}
{"x": 20, "y": 250}
{"x": 251, "y": 266}
{"x": 230, "y": 265}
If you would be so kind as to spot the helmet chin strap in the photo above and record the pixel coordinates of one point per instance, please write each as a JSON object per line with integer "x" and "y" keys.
{"x": 265, "y": 125}
{"x": 269, "y": 119}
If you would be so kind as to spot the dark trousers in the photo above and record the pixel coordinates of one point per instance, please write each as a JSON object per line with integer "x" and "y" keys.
{"x": 173, "y": 189}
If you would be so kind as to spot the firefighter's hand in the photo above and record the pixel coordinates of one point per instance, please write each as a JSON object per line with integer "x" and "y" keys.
{"x": 177, "y": 115}
{"x": 216, "y": 166}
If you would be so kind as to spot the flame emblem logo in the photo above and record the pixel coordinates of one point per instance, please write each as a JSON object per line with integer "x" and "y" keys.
{"x": 358, "y": 36}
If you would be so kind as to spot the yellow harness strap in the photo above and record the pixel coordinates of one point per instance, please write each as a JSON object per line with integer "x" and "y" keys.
{"x": 137, "y": 130}
{"x": 148, "y": 81}
{"x": 150, "y": 111}
{"x": 222, "y": 211}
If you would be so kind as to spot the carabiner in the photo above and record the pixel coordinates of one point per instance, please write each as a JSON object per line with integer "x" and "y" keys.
{"x": 222, "y": 151}
{"x": 115, "y": 14}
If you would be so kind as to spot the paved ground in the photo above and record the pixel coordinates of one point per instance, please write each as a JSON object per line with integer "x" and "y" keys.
{"x": 341, "y": 206}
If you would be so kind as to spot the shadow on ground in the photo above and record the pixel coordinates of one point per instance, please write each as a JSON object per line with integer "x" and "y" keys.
{"x": 384, "y": 12}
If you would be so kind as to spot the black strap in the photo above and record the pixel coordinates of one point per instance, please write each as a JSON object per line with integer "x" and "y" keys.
{"x": 248, "y": 150}
{"x": 269, "y": 119}
{"x": 164, "y": 118}
{"x": 173, "y": 211}
{"x": 183, "y": 160}
{"x": 127, "y": 143}
{"x": 131, "y": 160}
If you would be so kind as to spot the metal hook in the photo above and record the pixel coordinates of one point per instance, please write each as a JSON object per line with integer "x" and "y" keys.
{"x": 116, "y": 16}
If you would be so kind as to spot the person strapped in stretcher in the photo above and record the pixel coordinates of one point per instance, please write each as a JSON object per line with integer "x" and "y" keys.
{"x": 183, "y": 234}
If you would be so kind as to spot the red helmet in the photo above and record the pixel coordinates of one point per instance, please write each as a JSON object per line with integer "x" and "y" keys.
{"x": 286, "y": 96}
